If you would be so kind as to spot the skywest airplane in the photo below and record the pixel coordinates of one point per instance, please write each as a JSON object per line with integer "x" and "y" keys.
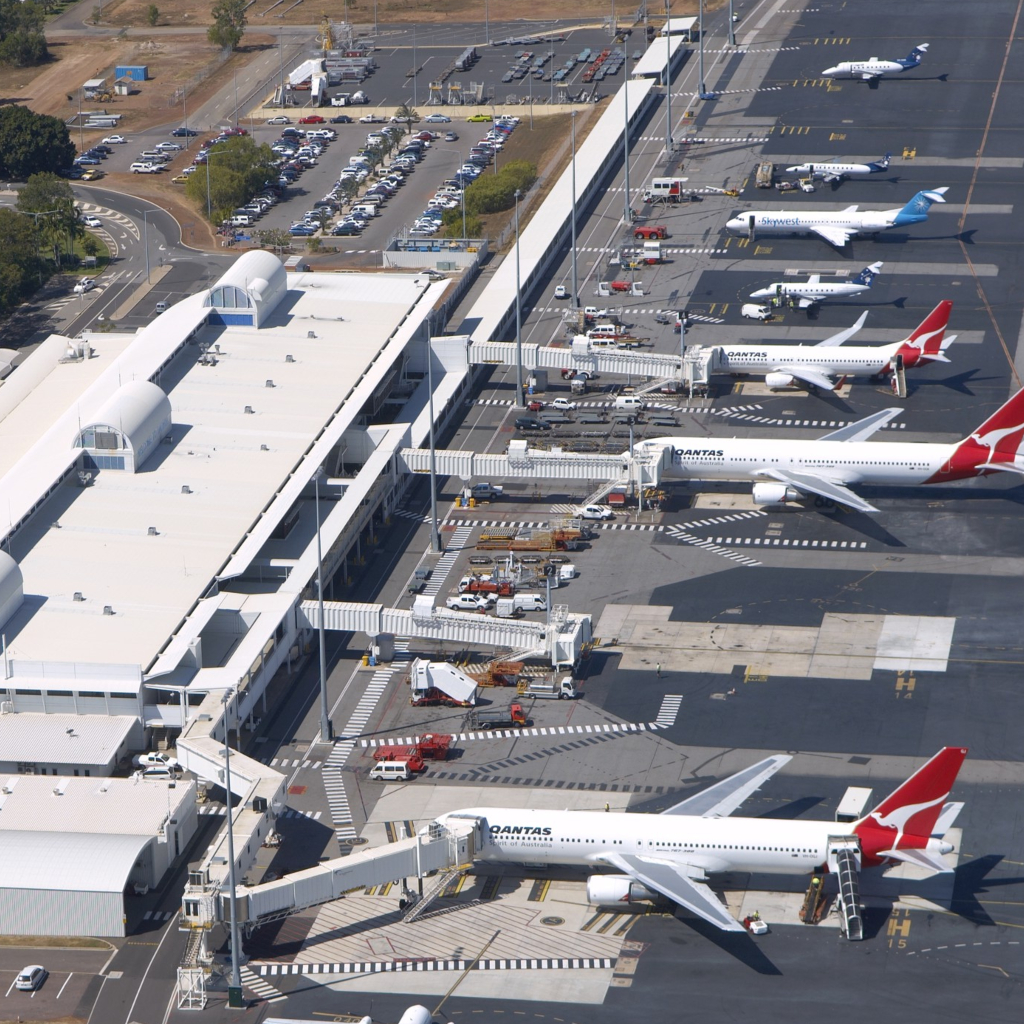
{"x": 835, "y": 228}
{"x": 672, "y": 854}
{"x": 836, "y": 171}
{"x": 875, "y": 68}
{"x": 814, "y": 365}
{"x": 814, "y": 290}
{"x": 786, "y": 470}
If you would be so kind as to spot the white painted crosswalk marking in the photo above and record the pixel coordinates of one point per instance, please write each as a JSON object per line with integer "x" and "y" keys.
{"x": 668, "y": 711}
{"x": 255, "y": 983}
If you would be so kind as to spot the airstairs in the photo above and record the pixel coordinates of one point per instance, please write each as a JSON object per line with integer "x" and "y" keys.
{"x": 440, "y": 884}
{"x": 844, "y": 863}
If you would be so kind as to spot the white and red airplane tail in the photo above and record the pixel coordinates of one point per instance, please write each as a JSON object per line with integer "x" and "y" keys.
{"x": 996, "y": 446}
{"x": 901, "y": 827}
{"x": 928, "y": 342}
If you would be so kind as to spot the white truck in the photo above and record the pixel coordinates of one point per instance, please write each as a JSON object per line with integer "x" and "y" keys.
{"x": 485, "y": 492}
{"x": 593, "y": 512}
{"x": 564, "y": 689}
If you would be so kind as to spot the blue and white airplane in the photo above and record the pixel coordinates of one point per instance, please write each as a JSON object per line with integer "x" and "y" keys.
{"x": 814, "y": 290}
{"x": 835, "y": 228}
{"x": 875, "y": 68}
{"x": 835, "y": 171}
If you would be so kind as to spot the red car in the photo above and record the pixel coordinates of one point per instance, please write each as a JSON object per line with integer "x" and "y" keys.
{"x": 311, "y": 119}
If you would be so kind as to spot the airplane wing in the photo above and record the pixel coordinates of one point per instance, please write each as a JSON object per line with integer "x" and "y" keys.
{"x": 830, "y": 176}
{"x": 806, "y": 302}
{"x": 667, "y": 879}
{"x": 862, "y": 429}
{"x": 831, "y": 234}
{"x": 838, "y": 339}
{"x": 808, "y": 375}
{"x": 867, "y": 75}
{"x": 721, "y": 799}
{"x": 831, "y": 489}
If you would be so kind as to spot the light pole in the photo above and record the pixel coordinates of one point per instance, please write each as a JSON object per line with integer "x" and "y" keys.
{"x": 668, "y": 80}
{"x": 235, "y": 988}
{"x": 325, "y": 722}
{"x": 435, "y": 533}
{"x": 700, "y": 29}
{"x": 627, "y": 214}
{"x": 487, "y": 25}
{"x": 732, "y": 26}
{"x": 519, "y": 316}
{"x": 572, "y": 219}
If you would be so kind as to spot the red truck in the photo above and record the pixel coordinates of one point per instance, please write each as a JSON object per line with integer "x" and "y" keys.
{"x": 409, "y": 755}
{"x": 652, "y": 231}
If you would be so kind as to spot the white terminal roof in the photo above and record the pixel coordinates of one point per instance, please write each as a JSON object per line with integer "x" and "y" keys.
{"x": 78, "y": 833}
{"x": 231, "y": 462}
{"x": 63, "y": 739}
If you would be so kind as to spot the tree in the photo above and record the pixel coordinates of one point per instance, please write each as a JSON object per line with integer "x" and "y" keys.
{"x": 22, "y": 43}
{"x": 21, "y": 269}
{"x": 275, "y": 238}
{"x": 238, "y": 168}
{"x": 348, "y": 187}
{"x": 52, "y": 200}
{"x": 152, "y": 14}
{"x": 228, "y": 24}
{"x": 451, "y": 224}
{"x": 407, "y": 114}
{"x": 32, "y": 142}
{"x": 90, "y": 245}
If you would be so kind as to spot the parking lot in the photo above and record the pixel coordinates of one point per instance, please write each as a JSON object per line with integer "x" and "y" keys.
{"x": 72, "y": 982}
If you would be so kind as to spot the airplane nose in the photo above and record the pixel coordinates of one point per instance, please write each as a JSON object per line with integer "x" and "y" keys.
{"x": 736, "y": 224}
{"x": 828, "y": 72}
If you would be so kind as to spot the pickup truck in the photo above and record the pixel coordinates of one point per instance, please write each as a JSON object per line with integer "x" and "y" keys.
{"x": 486, "y": 492}
{"x": 593, "y": 512}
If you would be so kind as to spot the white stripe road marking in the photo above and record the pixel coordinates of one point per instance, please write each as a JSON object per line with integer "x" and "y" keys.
{"x": 406, "y": 966}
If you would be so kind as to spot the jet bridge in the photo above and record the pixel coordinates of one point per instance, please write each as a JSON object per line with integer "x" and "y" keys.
{"x": 582, "y": 356}
{"x": 440, "y": 848}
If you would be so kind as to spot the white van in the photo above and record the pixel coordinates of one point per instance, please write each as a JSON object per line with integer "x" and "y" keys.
{"x": 391, "y": 771}
{"x": 605, "y": 331}
{"x": 157, "y": 772}
{"x": 631, "y": 403}
{"x": 366, "y": 209}
{"x": 753, "y": 311}
{"x": 601, "y": 343}
{"x": 530, "y": 602}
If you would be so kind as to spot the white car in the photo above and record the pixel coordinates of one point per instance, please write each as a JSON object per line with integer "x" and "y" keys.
{"x": 279, "y": 119}
{"x": 85, "y": 285}
{"x": 437, "y": 119}
{"x": 169, "y": 147}
{"x": 92, "y": 222}
{"x": 114, "y": 140}
{"x": 561, "y": 292}
{"x": 158, "y": 773}
{"x": 469, "y": 603}
{"x": 593, "y": 512}
{"x": 30, "y": 978}
{"x": 154, "y": 760}
{"x": 564, "y": 404}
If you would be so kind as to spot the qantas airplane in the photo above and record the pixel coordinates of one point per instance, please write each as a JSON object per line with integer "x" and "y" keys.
{"x": 673, "y": 853}
{"x": 816, "y": 365}
{"x": 836, "y": 171}
{"x": 786, "y": 470}
{"x": 814, "y": 290}
{"x": 835, "y": 228}
{"x": 875, "y": 68}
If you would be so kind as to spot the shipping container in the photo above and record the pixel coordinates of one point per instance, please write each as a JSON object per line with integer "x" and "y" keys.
{"x": 136, "y": 72}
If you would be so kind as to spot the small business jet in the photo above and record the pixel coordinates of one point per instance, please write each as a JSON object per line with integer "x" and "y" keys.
{"x": 814, "y": 290}
{"x": 673, "y": 854}
{"x": 836, "y": 171}
{"x": 875, "y": 68}
{"x": 835, "y": 228}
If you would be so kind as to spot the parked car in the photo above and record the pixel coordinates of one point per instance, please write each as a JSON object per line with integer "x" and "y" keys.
{"x": 114, "y": 140}
{"x": 30, "y": 978}
{"x": 91, "y": 222}
{"x": 279, "y": 119}
{"x": 185, "y": 133}
{"x": 561, "y": 292}
{"x": 565, "y": 404}
{"x": 346, "y": 229}
{"x": 341, "y": 119}
{"x": 154, "y": 759}
{"x": 469, "y": 602}
{"x": 371, "y": 119}
{"x": 529, "y": 423}
{"x": 451, "y": 136}
{"x": 312, "y": 119}
{"x": 593, "y": 512}
{"x": 437, "y": 119}
{"x": 91, "y": 174}
{"x": 480, "y": 118}
{"x": 168, "y": 147}
{"x": 85, "y": 285}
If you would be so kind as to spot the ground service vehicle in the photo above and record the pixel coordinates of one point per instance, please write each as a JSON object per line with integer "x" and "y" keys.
{"x": 753, "y": 311}
{"x": 564, "y": 689}
{"x": 765, "y": 174}
{"x": 652, "y": 231}
{"x": 665, "y": 190}
{"x": 391, "y": 771}
{"x": 509, "y": 538}
{"x": 486, "y": 492}
{"x": 498, "y": 718}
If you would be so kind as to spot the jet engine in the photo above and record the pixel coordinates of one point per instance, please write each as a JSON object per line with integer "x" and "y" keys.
{"x": 779, "y": 380}
{"x": 604, "y": 889}
{"x": 775, "y": 494}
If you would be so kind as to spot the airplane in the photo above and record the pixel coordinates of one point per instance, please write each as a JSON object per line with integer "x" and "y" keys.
{"x": 814, "y": 290}
{"x": 875, "y": 68}
{"x": 673, "y": 853}
{"x": 784, "y": 470}
{"x": 835, "y": 171}
{"x": 835, "y": 228}
{"x": 815, "y": 365}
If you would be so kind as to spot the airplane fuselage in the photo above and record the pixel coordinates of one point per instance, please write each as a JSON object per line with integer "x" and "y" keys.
{"x": 851, "y": 462}
{"x": 805, "y": 290}
{"x": 838, "y": 360}
{"x": 786, "y": 222}
{"x": 713, "y": 844}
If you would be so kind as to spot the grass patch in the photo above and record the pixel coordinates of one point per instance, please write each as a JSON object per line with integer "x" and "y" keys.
{"x": 52, "y": 942}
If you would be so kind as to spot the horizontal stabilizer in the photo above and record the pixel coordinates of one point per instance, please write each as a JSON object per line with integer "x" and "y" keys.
{"x": 862, "y": 429}
{"x": 666, "y": 879}
{"x": 920, "y": 858}
{"x": 721, "y": 799}
{"x": 838, "y": 339}
{"x": 947, "y": 816}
